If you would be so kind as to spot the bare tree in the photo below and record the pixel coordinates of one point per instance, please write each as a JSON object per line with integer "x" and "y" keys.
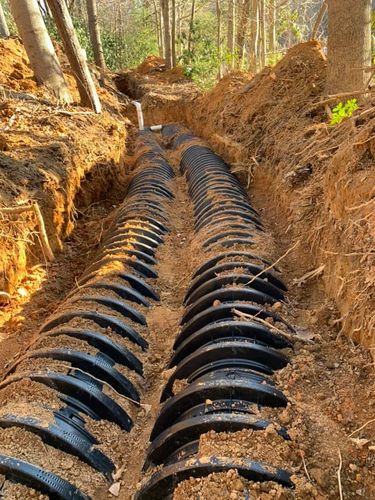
{"x": 349, "y": 44}
{"x": 191, "y": 26}
{"x": 158, "y": 27}
{"x": 173, "y": 33}
{"x": 253, "y": 46}
{"x": 78, "y": 7}
{"x": 319, "y": 19}
{"x": 180, "y": 11}
{"x": 75, "y": 54}
{"x": 263, "y": 33}
{"x": 242, "y": 29}
{"x": 230, "y": 32}
{"x": 167, "y": 33}
{"x": 218, "y": 41}
{"x": 96, "y": 43}
{"x": 39, "y": 47}
{"x": 272, "y": 26}
{"x": 4, "y": 30}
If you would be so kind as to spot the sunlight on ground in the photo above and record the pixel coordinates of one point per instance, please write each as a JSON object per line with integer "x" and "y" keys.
{"x": 11, "y": 315}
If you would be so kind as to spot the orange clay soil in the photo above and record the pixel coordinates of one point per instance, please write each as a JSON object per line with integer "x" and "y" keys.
{"x": 65, "y": 159}
{"x": 317, "y": 180}
{"x": 328, "y": 383}
{"x": 41, "y": 291}
{"x": 153, "y": 83}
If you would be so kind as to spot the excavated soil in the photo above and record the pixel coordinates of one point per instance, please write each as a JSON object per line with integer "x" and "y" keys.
{"x": 152, "y": 83}
{"x": 312, "y": 186}
{"x": 38, "y": 295}
{"x": 63, "y": 158}
{"x": 322, "y": 383}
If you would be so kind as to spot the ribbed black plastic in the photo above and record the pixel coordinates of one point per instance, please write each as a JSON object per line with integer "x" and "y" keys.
{"x": 226, "y": 361}
{"x": 107, "y": 301}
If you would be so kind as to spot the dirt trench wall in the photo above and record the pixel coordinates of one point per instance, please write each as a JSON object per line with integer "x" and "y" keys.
{"x": 65, "y": 159}
{"x": 64, "y": 175}
{"x": 317, "y": 180}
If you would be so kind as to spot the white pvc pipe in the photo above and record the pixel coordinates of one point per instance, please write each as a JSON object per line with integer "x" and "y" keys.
{"x": 138, "y": 106}
{"x": 156, "y": 128}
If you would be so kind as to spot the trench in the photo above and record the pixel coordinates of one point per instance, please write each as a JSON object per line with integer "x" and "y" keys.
{"x": 160, "y": 369}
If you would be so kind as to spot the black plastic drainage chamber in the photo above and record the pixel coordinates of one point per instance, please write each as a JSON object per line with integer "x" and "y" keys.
{"x": 226, "y": 360}
{"x": 112, "y": 295}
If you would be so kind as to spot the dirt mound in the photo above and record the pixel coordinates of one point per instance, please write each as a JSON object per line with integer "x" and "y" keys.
{"x": 151, "y": 77}
{"x": 64, "y": 159}
{"x": 319, "y": 176}
{"x": 15, "y": 70}
{"x": 155, "y": 65}
{"x": 151, "y": 64}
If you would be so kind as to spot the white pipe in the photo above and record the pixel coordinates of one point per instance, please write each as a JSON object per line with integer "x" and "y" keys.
{"x": 156, "y": 128}
{"x": 138, "y": 106}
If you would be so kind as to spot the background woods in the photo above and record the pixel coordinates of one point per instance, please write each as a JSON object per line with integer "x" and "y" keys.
{"x": 209, "y": 37}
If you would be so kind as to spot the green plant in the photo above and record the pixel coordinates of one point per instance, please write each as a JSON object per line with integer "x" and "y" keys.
{"x": 343, "y": 111}
{"x": 201, "y": 63}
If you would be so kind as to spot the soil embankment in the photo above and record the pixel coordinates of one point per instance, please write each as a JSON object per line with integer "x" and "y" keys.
{"x": 63, "y": 158}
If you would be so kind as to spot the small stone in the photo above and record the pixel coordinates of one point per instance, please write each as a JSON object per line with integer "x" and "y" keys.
{"x": 238, "y": 485}
{"x": 67, "y": 464}
{"x": 22, "y": 292}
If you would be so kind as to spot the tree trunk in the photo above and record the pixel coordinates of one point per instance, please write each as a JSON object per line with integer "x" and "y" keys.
{"x": 167, "y": 33}
{"x": 191, "y": 27}
{"x": 263, "y": 33}
{"x": 75, "y": 54}
{"x": 272, "y": 28}
{"x": 161, "y": 23}
{"x": 242, "y": 28}
{"x": 39, "y": 48}
{"x": 253, "y": 49}
{"x": 179, "y": 27}
{"x": 96, "y": 43}
{"x": 79, "y": 8}
{"x": 218, "y": 42}
{"x": 349, "y": 44}
{"x": 230, "y": 33}
{"x": 319, "y": 19}
{"x": 158, "y": 29}
{"x": 4, "y": 30}
{"x": 173, "y": 41}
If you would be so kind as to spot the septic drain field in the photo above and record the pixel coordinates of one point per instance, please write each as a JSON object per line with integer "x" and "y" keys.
{"x": 185, "y": 361}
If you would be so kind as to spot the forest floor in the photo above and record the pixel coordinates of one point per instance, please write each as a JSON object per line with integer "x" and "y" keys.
{"x": 313, "y": 185}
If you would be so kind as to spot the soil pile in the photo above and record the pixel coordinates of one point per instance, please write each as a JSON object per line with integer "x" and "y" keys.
{"x": 156, "y": 86}
{"x": 64, "y": 159}
{"x": 154, "y": 65}
{"x": 275, "y": 129}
